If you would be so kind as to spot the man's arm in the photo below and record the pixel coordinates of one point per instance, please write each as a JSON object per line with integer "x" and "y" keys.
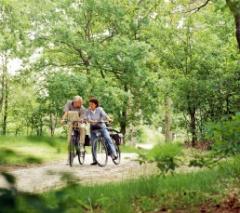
{"x": 66, "y": 109}
{"x": 64, "y": 117}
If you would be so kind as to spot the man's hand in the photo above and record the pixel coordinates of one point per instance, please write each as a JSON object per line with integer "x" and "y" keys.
{"x": 63, "y": 121}
{"x": 63, "y": 118}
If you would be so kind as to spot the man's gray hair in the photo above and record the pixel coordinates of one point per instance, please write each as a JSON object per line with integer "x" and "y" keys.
{"x": 77, "y": 98}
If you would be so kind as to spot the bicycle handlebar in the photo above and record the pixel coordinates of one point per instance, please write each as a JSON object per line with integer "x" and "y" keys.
{"x": 94, "y": 122}
{"x": 77, "y": 121}
{"x": 98, "y": 122}
{"x": 87, "y": 121}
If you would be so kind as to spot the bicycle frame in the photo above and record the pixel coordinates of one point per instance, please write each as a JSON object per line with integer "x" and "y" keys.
{"x": 74, "y": 144}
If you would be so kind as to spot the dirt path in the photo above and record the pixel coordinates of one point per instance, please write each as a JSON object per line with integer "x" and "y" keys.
{"x": 42, "y": 178}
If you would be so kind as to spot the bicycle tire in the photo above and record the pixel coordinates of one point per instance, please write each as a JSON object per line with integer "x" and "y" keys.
{"x": 118, "y": 151}
{"x": 99, "y": 151}
{"x": 71, "y": 152}
{"x": 81, "y": 157}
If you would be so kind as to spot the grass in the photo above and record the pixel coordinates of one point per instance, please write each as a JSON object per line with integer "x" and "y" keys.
{"x": 167, "y": 149}
{"x": 181, "y": 191}
{"x": 129, "y": 149}
{"x": 154, "y": 192}
{"x": 22, "y": 151}
{"x": 184, "y": 191}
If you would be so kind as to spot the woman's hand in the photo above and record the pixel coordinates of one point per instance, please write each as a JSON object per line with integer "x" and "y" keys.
{"x": 110, "y": 120}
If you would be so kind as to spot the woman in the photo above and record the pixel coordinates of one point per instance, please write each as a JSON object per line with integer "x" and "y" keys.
{"x": 97, "y": 117}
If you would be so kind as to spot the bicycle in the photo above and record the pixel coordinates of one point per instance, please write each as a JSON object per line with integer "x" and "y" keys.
{"x": 101, "y": 151}
{"x": 74, "y": 121}
{"x": 74, "y": 145}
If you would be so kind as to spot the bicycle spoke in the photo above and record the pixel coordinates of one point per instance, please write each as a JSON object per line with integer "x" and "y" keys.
{"x": 100, "y": 152}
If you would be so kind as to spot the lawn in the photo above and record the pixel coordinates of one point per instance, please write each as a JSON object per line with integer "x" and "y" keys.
{"x": 186, "y": 192}
{"x": 23, "y": 151}
{"x": 33, "y": 150}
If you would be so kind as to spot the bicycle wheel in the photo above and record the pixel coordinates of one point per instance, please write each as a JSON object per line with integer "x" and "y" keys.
{"x": 117, "y": 161}
{"x": 71, "y": 152}
{"x": 81, "y": 156}
{"x": 100, "y": 152}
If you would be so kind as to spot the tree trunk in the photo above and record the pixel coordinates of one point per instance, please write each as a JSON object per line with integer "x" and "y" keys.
{"x": 124, "y": 114}
{"x": 123, "y": 121}
{"x": 52, "y": 124}
{"x": 168, "y": 119}
{"x": 201, "y": 124}
{"x": 234, "y": 6}
{"x": 2, "y": 86}
{"x": 41, "y": 126}
{"x": 5, "y": 112}
{"x": 27, "y": 129}
{"x": 4, "y": 94}
{"x": 237, "y": 21}
{"x": 193, "y": 126}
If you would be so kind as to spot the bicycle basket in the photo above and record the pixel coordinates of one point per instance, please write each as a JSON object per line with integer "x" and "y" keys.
{"x": 118, "y": 138}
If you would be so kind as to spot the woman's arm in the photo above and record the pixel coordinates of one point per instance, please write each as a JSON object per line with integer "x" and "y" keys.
{"x": 105, "y": 116}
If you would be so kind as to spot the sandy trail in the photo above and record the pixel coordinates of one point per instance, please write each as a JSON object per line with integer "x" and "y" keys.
{"x": 45, "y": 177}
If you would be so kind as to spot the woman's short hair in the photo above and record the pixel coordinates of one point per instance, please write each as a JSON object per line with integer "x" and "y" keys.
{"x": 95, "y": 101}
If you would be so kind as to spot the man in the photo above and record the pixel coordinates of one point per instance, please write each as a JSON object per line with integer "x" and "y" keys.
{"x": 76, "y": 105}
{"x": 97, "y": 118}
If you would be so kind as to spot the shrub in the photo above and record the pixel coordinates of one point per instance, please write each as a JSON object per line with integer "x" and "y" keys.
{"x": 225, "y": 135}
{"x": 166, "y": 157}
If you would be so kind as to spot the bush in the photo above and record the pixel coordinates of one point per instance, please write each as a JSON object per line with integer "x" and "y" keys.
{"x": 225, "y": 135}
{"x": 166, "y": 157}
{"x": 141, "y": 135}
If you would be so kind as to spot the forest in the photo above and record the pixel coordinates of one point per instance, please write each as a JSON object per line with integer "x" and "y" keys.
{"x": 167, "y": 72}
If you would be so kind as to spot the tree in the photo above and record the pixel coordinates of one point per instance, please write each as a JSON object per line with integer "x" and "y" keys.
{"x": 234, "y": 6}
{"x": 100, "y": 40}
{"x": 11, "y": 44}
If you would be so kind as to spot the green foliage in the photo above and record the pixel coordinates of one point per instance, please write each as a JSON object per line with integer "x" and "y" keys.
{"x": 166, "y": 157}
{"x": 184, "y": 191}
{"x": 32, "y": 150}
{"x": 130, "y": 55}
{"x": 146, "y": 204}
{"x": 128, "y": 149}
{"x": 208, "y": 160}
{"x": 9, "y": 157}
{"x": 140, "y": 135}
{"x": 8, "y": 196}
{"x": 226, "y": 136}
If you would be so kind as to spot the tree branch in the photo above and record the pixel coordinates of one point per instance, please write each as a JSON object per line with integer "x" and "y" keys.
{"x": 196, "y": 9}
